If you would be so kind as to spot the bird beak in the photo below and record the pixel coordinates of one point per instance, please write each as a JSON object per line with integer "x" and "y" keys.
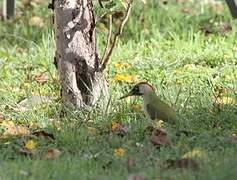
{"x": 127, "y": 95}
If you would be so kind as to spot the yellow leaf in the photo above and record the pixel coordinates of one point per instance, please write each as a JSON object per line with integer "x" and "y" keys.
{"x": 115, "y": 126}
{"x": 30, "y": 145}
{"x": 126, "y": 78}
{"x": 121, "y": 65}
{"x": 36, "y": 21}
{"x": 119, "y": 152}
{"x": 195, "y": 153}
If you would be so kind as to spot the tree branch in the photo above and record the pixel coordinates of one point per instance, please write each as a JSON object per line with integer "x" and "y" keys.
{"x": 109, "y": 36}
{"x": 108, "y": 51}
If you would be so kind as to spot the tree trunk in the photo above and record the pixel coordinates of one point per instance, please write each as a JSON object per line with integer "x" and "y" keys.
{"x": 82, "y": 84}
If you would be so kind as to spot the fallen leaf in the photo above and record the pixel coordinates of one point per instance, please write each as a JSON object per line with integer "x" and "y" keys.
{"x": 126, "y": 78}
{"x": 135, "y": 177}
{"x": 119, "y": 152}
{"x": 44, "y": 134}
{"x": 30, "y": 145}
{"x": 159, "y": 138}
{"x": 184, "y": 163}
{"x": 115, "y": 126}
{"x": 121, "y": 65}
{"x": 41, "y": 78}
{"x": 13, "y": 129}
{"x": 195, "y": 153}
{"x": 119, "y": 129}
{"x": 36, "y": 21}
{"x": 53, "y": 153}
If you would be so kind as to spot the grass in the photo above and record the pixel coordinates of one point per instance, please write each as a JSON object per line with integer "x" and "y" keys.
{"x": 162, "y": 45}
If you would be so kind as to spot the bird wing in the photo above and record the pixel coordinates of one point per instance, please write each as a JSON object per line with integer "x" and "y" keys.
{"x": 161, "y": 111}
{"x": 152, "y": 111}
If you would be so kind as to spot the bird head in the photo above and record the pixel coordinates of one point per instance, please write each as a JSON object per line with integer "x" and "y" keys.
{"x": 140, "y": 89}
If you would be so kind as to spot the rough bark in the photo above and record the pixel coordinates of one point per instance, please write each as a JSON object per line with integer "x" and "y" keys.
{"x": 82, "y": 84}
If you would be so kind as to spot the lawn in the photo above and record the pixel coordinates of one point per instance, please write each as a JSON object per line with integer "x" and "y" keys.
{"x": 186, "y": 49}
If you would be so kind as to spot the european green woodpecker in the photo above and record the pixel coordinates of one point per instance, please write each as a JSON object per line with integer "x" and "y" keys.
{"x": 154, "y": 107}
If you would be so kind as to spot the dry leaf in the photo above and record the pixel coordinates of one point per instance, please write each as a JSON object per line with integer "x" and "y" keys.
{"x": 115, "y": 126}
{"x": 160, "y": 138}
{"x": 119, "y": 129}
{"x": 135, "y": 177}
{"x": 41, "y": 78}
{"x": 184, "y": 163}
{"x": 13, "y": 129}
{"x": 119, "y": 152}
{"x": 36, "y": 21}
{"x": 30, "y": 145}
{"x": 53, "y": 153}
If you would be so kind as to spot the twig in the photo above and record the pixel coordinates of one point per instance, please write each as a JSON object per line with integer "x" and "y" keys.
{"x": 108, "y": 36}
{"x": 106, "y": 58}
